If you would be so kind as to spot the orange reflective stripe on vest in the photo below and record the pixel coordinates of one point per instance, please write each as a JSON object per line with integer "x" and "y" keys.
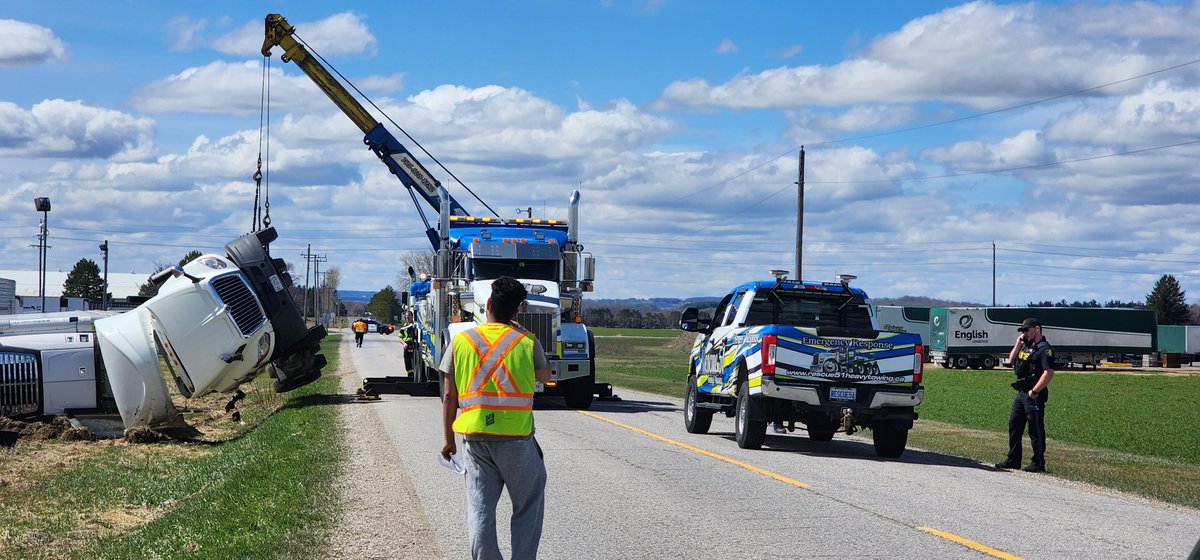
{"x": 495, "y": 380}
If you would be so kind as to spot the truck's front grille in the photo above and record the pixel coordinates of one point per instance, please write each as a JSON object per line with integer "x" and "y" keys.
{"x": 20, "y": 384}
{"x": 233, "y": 291}
{"x": 542, "y": 327}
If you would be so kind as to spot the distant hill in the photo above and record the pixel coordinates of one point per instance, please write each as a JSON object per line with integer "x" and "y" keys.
{"x": 675, "y": 304}
{"x": 668, "y": 304}
{"x": 355, "y": 295}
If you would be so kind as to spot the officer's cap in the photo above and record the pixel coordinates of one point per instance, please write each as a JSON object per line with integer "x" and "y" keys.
{"x": 1029, "y": 324}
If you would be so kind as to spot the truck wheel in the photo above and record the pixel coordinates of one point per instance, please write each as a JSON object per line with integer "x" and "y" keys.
{"x": 960, "y": 362}
{"x": 748, "y": 433}
{"x": 988, "y": 362}
{"x": 578, "y": 392}
{"x": 695, "y": 419}
{"x": 889, "y": 440}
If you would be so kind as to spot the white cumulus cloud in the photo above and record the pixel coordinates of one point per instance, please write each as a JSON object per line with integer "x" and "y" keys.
{"x": 70, "y": 129}
{"x": 26, "y": 44}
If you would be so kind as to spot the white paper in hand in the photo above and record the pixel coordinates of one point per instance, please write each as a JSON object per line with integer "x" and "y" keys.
{"x": 452, "y": 464}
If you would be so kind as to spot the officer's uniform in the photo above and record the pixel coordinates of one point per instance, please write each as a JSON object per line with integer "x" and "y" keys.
{"x": 1031, "y": 362}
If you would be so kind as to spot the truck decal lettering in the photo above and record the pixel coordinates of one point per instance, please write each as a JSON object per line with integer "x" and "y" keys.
{"x": 969, "y": 336}
{"x": 847, "y": 342}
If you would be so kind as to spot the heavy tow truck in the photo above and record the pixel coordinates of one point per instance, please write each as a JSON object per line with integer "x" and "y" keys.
{"x": 214, "y": 324}
{"x": 470, "y": 252}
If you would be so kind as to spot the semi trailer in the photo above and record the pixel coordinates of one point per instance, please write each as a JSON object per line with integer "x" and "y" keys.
{"x": 982, "y": 337}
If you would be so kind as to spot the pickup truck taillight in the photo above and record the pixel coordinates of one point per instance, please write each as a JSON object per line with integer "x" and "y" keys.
{"x": 769, "y": 343}
{"x": 918, "y": 364}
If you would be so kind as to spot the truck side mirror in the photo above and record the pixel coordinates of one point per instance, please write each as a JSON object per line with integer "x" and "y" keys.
{"x": 690, "y": 320}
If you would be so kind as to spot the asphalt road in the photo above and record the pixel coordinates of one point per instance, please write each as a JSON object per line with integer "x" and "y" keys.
{"x": 627, "y": 481}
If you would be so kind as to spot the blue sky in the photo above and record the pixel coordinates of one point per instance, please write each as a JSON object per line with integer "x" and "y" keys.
{"x": 933, "y": 130}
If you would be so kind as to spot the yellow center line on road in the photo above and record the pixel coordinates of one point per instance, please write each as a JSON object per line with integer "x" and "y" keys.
{"x": 734, "y": 462}
{"x": 948, "y": 536}
{"x": 970, "y": 544}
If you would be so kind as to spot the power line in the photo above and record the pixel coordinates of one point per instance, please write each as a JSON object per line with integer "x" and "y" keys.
{"x": 1137, "y": 259}
{"x": 1007, "y": 169}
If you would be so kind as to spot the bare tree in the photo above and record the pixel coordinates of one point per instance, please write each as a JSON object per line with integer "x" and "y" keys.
{"x": 420, "y": 261}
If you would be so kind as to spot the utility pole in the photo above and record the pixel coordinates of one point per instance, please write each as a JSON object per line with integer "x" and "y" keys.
{"x": 307, "y": 259}
{"x": 800, "y": 219}
{"x": 104, "y": 294}
{"x": 317, "y": 260}
{"x": 993, "y": 274}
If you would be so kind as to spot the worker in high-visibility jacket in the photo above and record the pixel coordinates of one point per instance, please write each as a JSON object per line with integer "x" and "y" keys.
{"x": 360, "y": 330}
{"x": 490, "y": 374}
{"x": 408, "y": 337}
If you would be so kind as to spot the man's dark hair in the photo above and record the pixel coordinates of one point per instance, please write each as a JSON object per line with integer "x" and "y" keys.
{"x": 507, "y": 295}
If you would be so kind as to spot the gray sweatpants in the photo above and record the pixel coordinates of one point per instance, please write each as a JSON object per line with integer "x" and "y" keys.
{"x": 492, "y": 466}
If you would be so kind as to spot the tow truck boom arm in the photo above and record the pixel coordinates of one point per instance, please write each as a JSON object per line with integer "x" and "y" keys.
{"x": 389, "y": 150}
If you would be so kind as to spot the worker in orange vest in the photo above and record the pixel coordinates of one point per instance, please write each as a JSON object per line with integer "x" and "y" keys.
{"x": 360, "y": 329}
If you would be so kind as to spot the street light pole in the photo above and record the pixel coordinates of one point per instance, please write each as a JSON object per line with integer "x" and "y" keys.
{"x": 42, "y": 204}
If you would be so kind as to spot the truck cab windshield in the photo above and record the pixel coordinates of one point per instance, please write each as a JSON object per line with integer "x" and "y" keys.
{"x": 807, "y": 308}
{"x": 516, "y": 268}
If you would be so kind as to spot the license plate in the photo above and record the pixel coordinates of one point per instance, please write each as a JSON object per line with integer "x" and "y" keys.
{"x": 539, "y": 386}
{"x": 843, "y": 393}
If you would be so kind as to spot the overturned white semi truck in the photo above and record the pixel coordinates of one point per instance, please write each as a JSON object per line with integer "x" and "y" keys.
{"x": 214, "y": 325}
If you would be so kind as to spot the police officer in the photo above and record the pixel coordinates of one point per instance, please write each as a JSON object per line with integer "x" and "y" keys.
{"x": 1033, "y": 362}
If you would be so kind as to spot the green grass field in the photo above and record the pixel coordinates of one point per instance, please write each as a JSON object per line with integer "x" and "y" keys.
{"x": 1133, "y": 432}
{"x": 262, "y": 491}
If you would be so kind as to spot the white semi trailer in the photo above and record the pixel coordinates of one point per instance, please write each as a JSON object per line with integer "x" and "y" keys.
{"x": 982, "y": 337}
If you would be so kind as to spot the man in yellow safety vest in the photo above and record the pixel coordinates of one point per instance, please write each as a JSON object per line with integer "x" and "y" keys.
{"x": 490, "y": 374}
{"x": 360, "y": 329}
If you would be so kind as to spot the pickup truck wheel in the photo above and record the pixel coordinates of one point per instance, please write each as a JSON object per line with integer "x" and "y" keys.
{"x": 960, "y": 362}
{"x": 890, "y": 440}
{"x": 748, "y": 433}
{"x": 695, "y": 419}
{"x": 988, "y": 362}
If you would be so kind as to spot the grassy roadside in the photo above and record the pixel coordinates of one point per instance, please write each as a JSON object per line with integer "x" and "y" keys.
{"x": 1138, "y": 433}
{"x": 258, "y": 488}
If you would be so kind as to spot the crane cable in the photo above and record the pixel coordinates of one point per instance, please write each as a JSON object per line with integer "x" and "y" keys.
{"x": 263, "y": 220}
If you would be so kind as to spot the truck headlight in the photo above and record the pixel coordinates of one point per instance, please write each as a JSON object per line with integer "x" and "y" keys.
{"x": 264, "y": 349}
